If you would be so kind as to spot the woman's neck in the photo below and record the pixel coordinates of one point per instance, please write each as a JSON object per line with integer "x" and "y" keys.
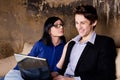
{"x": 56, "y": 41}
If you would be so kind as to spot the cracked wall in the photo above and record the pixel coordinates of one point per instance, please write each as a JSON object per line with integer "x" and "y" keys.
{"x": 22, "y": 21}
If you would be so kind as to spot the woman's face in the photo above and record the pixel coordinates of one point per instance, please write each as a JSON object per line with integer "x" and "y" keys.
{"x": 57, "y": 30}
{"x": 83, "y": 25}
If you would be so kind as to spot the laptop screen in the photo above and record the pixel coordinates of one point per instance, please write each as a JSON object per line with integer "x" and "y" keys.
{"x": 33, "y": 68}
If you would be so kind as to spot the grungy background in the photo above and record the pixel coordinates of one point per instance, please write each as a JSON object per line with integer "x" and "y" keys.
{"x": 22, "y": 21}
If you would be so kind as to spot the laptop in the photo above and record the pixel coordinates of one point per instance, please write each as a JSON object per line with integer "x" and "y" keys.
{"x": 33, "y": 68}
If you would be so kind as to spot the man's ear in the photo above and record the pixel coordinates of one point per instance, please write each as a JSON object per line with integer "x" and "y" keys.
{"x": 94, "y": 24}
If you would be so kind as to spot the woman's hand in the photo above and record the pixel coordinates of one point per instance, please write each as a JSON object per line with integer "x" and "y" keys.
{"x": 54, "y": 74}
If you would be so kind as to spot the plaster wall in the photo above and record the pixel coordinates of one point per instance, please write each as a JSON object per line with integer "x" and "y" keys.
{"x": 22, "y": 21}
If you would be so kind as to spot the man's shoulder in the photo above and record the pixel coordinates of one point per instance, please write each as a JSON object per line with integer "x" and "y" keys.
{"x": 103, "y": 40}
{"x": 103, "y": 37}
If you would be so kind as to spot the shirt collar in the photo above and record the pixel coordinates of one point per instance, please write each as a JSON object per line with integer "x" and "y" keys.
{"x": 91, "y": 40}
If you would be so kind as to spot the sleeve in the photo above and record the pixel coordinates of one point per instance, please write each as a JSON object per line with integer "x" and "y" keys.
{"x": 57, "y": 69}
{"x": 13, "y": 75}
{"x": 77, "y": 78}
{"x": 35, "y": 50}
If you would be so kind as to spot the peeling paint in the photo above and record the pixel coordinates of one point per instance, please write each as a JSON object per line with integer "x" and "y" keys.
{"x": 107, "y": 12}
{"x": 117, "y": 7}
{"x": 25, "y": 17}
{"x": 56, "y": 3}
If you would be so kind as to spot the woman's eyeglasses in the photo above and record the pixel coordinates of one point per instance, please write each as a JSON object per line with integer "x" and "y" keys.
{"x": 58, "y": 25}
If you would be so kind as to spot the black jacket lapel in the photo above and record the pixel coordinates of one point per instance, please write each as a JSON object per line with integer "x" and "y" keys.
{"x": 84, "y": 53}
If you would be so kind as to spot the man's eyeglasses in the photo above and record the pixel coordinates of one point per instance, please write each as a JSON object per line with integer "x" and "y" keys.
{"x": 58, "y": 25}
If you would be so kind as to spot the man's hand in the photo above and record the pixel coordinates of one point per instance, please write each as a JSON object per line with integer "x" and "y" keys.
{"x": 60, "y": 77}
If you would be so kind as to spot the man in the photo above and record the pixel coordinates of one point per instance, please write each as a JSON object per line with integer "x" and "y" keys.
{"x": 88, "y": 56}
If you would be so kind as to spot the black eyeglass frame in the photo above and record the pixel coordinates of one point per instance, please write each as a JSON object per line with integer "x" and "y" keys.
{"x": 58, "y": 25}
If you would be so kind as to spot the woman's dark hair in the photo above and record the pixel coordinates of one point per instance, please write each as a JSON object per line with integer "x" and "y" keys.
{"x": 46, "y": 38}
{"x": 88, "y": 11}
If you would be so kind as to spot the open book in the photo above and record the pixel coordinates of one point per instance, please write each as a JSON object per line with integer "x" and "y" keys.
{"x": 33, "y": 68}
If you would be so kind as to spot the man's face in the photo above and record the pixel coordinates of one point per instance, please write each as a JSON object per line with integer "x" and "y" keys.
{"x": 83, "y": 25}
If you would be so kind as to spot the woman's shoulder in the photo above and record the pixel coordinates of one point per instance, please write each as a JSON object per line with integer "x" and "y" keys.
{"x": 39, "y": 43}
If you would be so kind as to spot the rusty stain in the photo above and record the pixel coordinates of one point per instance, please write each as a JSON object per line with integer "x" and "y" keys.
{"x": 25, "y": 18}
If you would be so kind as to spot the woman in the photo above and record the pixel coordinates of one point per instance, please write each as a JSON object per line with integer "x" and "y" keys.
{"x": 50, "y": 46}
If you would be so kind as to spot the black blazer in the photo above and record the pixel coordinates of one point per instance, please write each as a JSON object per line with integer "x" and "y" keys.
{"x": 97, "y": 61}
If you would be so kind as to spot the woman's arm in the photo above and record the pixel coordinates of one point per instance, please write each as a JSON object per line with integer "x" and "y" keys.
{"x": 60, "y": 63}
